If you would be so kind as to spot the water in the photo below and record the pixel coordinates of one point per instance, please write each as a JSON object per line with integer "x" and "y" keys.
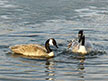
{"x": 34, "y": 21}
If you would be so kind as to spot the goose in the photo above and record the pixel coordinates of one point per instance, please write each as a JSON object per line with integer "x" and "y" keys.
{"x": 35, "y": 49}
{"x": 79, "y": 45}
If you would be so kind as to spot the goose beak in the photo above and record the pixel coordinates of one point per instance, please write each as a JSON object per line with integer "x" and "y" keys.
{"x": 56, "y": 46}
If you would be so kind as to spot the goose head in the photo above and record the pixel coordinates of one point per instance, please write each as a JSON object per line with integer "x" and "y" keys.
{"x": 80, "y": 33}
{"x": 50, "y": 42}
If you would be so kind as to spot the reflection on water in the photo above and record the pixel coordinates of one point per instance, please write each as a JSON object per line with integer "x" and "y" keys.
{"x": 50, "y": 67}
{"x": 81, "y": 68}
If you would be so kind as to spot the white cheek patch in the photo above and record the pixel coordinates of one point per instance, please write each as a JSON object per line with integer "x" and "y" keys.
{"x": 51, "y": 42}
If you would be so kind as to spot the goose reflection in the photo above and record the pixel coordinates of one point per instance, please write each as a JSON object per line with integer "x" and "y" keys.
{"x": 81, "y": 68}
{"x": 50, "y": 70}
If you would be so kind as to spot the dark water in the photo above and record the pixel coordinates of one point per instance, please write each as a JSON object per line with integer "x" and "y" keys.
{"x": 34, "y": 21}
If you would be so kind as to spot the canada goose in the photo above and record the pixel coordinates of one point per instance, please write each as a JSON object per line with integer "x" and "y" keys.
{"x": 35, "y": 49}
{"x": 79, "y": 45}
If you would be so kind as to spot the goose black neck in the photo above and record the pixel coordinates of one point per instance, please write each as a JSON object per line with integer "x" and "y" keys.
{"x": 80, "y": 38}
{"x": 83, "y": 40}
{"x": 47, "y": 47}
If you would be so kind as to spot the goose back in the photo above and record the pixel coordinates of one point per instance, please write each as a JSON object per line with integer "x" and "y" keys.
{"x": 30, "y": 50}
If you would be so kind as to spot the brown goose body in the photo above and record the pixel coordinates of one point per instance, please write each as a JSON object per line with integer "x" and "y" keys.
{"x": 34, "y": 49}
{"x": 30, "y": 50}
